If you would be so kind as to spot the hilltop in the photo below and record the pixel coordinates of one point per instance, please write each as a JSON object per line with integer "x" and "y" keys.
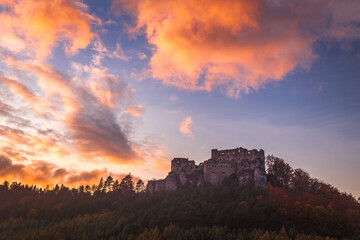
{"x": 293, "y": 205}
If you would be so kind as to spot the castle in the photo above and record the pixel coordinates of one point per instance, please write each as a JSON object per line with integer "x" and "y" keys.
{"x": 247, "y": 165}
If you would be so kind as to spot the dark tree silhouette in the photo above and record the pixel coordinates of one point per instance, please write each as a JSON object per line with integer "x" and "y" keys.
{"x": 140, "y": 186}
{"x": 300, "y": 180}
{"x": 278, "y": 168}
{"x": 101, "y": 185}
{"x": 127, "y": 183}
{"x": 108, "y": 185}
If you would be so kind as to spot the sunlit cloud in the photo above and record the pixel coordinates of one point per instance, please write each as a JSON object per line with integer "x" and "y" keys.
{"x": 89, "y": 110}
{"x": 102, "y": 52}
{"x": 185, "y": 127}
{"x": 44, "y": 173}
{"x": 39, "y": 105}
{"x": 237, "y": 45}
{"x": 50, "y": 115}
{"x": 135, "y": 110}
{"x": 86, "y": 177}
{"x": 35, "y": 27}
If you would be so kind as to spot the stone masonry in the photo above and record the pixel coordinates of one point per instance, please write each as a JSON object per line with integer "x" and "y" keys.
{"x": 248, "y": 166}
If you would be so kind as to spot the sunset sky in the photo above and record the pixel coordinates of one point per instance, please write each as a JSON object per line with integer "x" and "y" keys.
{"x": 92, "y": 88}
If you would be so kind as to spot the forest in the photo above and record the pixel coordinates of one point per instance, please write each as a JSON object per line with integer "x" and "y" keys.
{"x": 292, "y": 206}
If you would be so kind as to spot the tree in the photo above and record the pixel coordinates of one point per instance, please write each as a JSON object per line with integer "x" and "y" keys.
{"x": 108, "y": 186}
{"x": 127, "y": 184}
{"x": 6, "y": 184}
{"x": 116, "y": 185}
{"x": 101, "y": 184}
{"x": 87, "y": 188}
{"x": 140, "y": 186}
{"x": 279, "y": 169}
{"x": 300, "y": 180}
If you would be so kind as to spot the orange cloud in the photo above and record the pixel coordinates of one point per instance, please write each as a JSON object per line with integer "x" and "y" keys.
{"x": 185, "y": 127}
{"x": 109, "y": 89}
{"x": 41, "y": 25}
{"x": 28, "y": 142}
{"x": 39, "y": 105}
{"x": 239, "y": 45}
{"x": 85, "y": 177}
{"x": 135, "y": 110}
{"x": 43, "y": 173}
{"x": 89, "y": 113}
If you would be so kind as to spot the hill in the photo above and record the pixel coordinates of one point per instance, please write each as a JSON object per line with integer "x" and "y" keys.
{"x": 292, "y": 206}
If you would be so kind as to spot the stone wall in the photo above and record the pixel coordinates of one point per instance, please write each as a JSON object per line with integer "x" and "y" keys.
{"x": 215, "y": 170}
{"x": 179, "y": 165}
{"x": 247, "y": 165}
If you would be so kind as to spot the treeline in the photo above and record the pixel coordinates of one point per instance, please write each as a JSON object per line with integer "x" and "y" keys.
{"x": 126, "y": 184}
{"x": 293, "y": 206}
{"x": 281, "y": 174}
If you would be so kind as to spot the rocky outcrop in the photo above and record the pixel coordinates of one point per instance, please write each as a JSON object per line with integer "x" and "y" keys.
{"x": 247, "y": 166}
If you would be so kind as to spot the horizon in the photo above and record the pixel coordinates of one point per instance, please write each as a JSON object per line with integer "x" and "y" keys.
{"x": 90, "y": 89}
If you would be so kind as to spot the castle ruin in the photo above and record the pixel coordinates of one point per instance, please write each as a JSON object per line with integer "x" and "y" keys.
{"x": 248, "y": 166}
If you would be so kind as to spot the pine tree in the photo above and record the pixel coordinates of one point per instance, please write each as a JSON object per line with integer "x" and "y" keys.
{"x": 108, "y": 186}
{"x": 101, "y": 184}
{"x": 127, "y": 184}
{"x": 116, "y": 185}
{"x": 140, "y": 186}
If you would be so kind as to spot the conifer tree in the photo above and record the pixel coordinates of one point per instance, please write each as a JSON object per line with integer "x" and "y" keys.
{"x": 140, "y": 186}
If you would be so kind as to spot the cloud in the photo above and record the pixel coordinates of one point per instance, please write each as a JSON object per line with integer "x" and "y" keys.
{"x": 39, "y": 105}
{"x": 238, "y": 45}
{"x": 102, "y": 52}
{"x": 47, "y": 113}
{"x": 109, "y": 89}
{"x": 173, "y": 98}
{"x": 135, "y": 110}
{"x": 38, "y": 26}
{"x": 43, "y": 173}
{"x": 185, "y": 127}
{"x": 18, "y": 154}
{"x": 25, "y": 143}
{"x": 85, "y": 177}
{"x": 99, "y": 135}
{"x": 89, "y": 109}
{"x": 7, "y": 168}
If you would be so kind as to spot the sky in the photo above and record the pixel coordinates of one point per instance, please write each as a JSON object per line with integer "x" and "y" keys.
{"x": 93, "y": 88}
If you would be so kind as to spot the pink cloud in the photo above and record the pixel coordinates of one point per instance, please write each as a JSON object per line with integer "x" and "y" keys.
{"x": 185, "y": 127}
{"x": 88, "y": 112}
{"x": 135, "y": 110}
{"x": 240, "y": 45}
